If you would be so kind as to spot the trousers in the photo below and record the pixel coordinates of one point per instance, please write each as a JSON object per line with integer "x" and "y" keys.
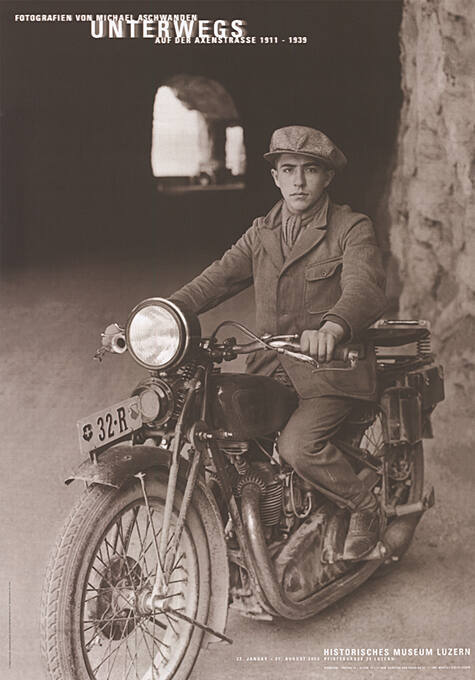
{"x": 305, "y": 444}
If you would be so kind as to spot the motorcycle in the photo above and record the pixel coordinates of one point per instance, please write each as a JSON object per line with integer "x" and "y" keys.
{"x": 188, "y": 509}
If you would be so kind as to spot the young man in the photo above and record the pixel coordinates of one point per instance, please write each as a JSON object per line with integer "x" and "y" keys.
{"x": 317, "y": 271}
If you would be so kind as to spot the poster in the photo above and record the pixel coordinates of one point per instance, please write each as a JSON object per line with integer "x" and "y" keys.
{"x": 94, "y": 221}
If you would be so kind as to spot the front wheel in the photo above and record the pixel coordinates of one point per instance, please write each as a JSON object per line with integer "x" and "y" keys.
{"x": 94, "y": 622}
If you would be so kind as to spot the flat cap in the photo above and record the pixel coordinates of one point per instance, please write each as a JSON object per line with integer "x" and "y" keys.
{"x": 308, "y": 142}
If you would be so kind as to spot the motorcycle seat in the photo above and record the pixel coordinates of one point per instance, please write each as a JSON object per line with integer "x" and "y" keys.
{"x": 388, "y": 333}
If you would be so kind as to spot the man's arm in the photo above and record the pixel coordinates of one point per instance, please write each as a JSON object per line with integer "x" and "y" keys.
{"x": 362, "y": 300}
{"x": 222, "y": 279}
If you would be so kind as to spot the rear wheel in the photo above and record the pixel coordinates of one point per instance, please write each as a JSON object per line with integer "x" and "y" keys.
{"x": 406, "y": 464}
{"x": 95, "y": 621}
{"x": 405, "y": 468}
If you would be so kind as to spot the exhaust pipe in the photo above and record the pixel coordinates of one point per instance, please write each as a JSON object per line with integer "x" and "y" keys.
{"x": 399, "y": 533}
{"x": 396, "y": 539}
{"x": 264, "y": 568}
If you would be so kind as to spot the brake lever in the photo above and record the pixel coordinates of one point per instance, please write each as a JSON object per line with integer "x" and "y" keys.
{"x": 282, "y": 347}
{"x": 299, "y": 356}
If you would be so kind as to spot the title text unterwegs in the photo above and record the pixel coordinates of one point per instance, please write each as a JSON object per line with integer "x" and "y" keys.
{"x": 167, "y": 27}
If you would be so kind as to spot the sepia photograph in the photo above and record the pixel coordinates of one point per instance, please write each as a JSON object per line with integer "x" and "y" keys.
{"x": 237, "y": 311}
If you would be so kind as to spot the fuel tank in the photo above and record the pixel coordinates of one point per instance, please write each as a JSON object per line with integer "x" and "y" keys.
{"x": 249, "y": 405}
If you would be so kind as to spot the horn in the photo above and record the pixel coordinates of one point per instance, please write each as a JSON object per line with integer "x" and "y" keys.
{"x": 113, "y": 339}
{"x": 118, "y": 343}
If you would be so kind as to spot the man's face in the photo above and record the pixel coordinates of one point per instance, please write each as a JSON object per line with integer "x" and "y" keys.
{"x": 301, "y": 180}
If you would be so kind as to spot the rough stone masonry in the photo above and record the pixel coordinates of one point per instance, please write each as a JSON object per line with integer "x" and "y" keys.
{"x": 431, "y": 201}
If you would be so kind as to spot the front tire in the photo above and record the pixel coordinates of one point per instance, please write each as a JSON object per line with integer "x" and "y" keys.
{"x": 94, "y": 625}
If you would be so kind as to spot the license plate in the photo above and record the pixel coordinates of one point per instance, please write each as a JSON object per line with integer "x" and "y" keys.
{"x": 112, "y": 423}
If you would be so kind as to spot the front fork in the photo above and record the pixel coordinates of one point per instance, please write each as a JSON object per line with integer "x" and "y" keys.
{"x": 201, "y": 440}
{"x": 166, "y": 558}
{"x": 166, "y": 553}
{"x": 166, "y": 549}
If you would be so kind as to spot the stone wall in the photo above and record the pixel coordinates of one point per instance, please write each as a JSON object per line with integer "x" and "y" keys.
{"x": 431, "y": 205}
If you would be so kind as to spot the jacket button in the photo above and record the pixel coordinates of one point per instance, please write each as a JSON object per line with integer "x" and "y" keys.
{"x": 324, "y": 273}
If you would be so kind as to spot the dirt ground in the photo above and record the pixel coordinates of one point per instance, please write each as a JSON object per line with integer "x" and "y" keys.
{"x": 52, "y": 318}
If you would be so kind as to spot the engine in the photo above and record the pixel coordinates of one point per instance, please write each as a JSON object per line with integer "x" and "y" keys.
{"x": 284, "y": 497}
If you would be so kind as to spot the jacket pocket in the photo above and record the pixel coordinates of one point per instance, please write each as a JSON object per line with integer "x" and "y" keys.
{"x": 322, "y": 285}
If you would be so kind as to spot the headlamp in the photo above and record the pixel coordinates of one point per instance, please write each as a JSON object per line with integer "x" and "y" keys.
{"x": 159, "y": 333}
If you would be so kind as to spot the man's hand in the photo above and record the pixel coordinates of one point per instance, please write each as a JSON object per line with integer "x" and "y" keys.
{"x": 321, "y": 344}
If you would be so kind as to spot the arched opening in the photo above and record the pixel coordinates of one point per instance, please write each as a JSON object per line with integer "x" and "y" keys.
{"x": 197, "y": 137}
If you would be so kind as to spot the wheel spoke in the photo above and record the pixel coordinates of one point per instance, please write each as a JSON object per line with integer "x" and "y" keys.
{"x": 136, "y": 653}
{"x": 114, "y": 549}
{"x": 141, "y": 541}
{"x": 98, "y": 632}
{"x": 143, "y": 627}
{"x": 111, "y": 586}
{"x": 170, "y": 619}
{"x": 133, "y": 659}
{"x": 156, "y": 621}
{"x": 167, "y": 597}
{"x": 177, "y": 580}
{"x": 102, "y": 620}
{"x": 130, "y": 655}
{"x": 114, "y": 651}
{"x": 153, "y": 638}
{"x": 116, "y": 618}
{"x": 159, "y": 642}
{"x": 372, "y": 438}
{"x": 131, "y": 578}
{"x": 143, "y": 552}
{"x": 132, "y": 522}
{"x": 100, "y": 592}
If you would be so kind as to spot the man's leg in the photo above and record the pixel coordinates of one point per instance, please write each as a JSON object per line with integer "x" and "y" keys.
{"x": 305, "y": 444}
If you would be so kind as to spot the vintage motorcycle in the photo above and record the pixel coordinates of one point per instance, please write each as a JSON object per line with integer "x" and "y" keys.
{"x": 189, "y": 510}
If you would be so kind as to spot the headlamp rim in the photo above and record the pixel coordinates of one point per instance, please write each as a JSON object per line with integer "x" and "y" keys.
{"x": 183, "y": 328}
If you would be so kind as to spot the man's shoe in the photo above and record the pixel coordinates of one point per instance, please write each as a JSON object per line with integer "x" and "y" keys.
{"x": 362, "y": 534}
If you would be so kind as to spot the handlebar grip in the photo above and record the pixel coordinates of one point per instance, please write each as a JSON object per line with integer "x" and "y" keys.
{"x": 340, "y": 353}
{"x": 347, "y": 354}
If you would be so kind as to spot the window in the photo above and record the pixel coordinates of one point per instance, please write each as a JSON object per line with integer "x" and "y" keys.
{"x": 197, "y": 138}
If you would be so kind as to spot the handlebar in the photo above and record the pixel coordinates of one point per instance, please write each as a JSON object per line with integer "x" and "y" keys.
{"x": 113, "y": 340}
{"x": 289, "y": 345}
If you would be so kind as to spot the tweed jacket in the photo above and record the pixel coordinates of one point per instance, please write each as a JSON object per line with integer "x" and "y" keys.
{"x": 333, "y": 269}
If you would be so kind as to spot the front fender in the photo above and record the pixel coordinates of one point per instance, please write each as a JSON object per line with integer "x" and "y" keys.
{"x": 117, "y": 464}
{"x": 120, "y": 463}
